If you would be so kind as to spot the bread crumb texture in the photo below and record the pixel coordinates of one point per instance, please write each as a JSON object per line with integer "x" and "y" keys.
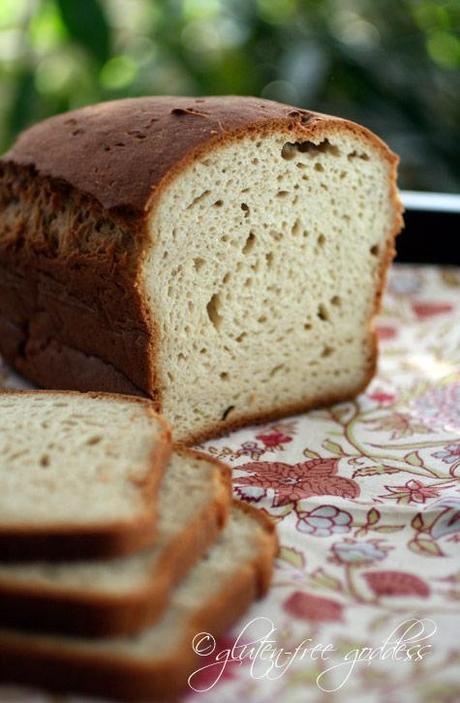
{"x": 73, "y": 459}
{"x": 267, "y": 254}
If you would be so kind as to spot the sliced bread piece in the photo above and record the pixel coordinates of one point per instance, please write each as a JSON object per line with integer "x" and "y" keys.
{"x": 111, "y": 597}
{"x": 223, "y": 255}
{"x": 156, "y": 663}
{"x": 79, "y": 474}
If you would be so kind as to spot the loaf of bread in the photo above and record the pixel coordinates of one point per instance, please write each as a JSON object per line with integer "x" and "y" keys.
{"x": 79, "y": 474}
{"x": 155, "y": 663}
{"x": 223, "y": 256}
{"x": 125, "y": 594}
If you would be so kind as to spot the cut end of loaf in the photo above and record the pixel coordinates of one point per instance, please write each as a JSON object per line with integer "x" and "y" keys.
{"x": 268, "y": 259}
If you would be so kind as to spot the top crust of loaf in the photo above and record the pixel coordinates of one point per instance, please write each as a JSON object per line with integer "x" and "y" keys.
{"x": 119, "y": 152}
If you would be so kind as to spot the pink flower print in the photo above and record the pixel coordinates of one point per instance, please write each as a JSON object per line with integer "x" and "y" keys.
{"x": 251, "y": 449}
{"x": 305, "y": 606}
{"x": 450, "y": 454}
{"x": 396, "y": 583}
{"x": 426, "y": 310}
{"x": 386, "y": 332}
{"x": 351, "y": 552}
{"x": 324, "y": 521}
{"x": 292, "y": 482}
{"x": 412, "y": 491}
{"x": 439, "y": 408}
{"x": 382, "y": 397}
{"x": 274, "y": 439}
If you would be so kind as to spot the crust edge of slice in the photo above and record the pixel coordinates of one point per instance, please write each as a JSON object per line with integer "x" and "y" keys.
{"x": 57, "y": 668}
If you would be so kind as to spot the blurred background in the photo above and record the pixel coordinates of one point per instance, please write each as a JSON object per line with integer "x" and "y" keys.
{"x": 393, "y": 65}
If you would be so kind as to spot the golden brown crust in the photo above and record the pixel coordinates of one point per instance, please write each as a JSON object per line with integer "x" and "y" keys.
{"x": 116, "y": 158}
{"x": 92, "y": 540}
{"x": 82, "y": 612}
{"x": 61, "y": 669}
{"x": 118, "y": 152}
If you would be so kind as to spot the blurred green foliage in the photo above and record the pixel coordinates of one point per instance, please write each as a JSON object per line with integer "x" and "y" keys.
{"x": 390, "y": 64}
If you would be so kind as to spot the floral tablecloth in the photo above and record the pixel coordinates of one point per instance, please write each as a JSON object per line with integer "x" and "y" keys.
{"x": 365, "y": 605}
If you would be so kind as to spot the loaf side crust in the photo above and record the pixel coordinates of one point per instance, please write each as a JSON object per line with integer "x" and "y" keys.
{"x": 58, "y": 669}
{"x": 91, "y": 541}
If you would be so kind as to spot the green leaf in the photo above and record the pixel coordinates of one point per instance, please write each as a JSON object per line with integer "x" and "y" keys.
{"x": 414, "y": 459}
{"x": 292, "y": 556}
{"x": 426, "y": 546}
{"x": 321, "y": 579}
{"x": 373, "y": 470}
{"x": 310, "y": 454}
{"x": 87, "y": 26}
{"x": 333, "y": 447}
{"x": 389, "y": 528}
{"x": 373, "y": 516}
{"x": 417, "y": 522}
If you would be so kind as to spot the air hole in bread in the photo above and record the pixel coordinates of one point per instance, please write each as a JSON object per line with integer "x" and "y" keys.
{"x": 289, "y": 149}
{"x": 319, "y": 167}
{"x": 322, "y": 313}
{"x": 275, "y": 370}
{"x": 240, "y": 337}
{"x": 213, "y": 311}
{"x": 358, "y": 155}
{"x": 198, "y": 199}
{"x": 307, "y": 326}
{"x": 245, "y": 208}
{"x": 44, "y": 460}
{"x": 336, "y": 301}
{"x": 250, "y": 243}
{"x": 93, "y": 440}
{"x": 296, "y": 228}
{"x": 198, "y": 263}
{"x": 218, "y": 203}
{"x": 282, "y": 194}
{"x": 374, "y": 250}
{"x": 224, "y": 376}
{"x": 321, "y": 240}
{"x": 327, "y": 351}
{"x": 227, "y": 412}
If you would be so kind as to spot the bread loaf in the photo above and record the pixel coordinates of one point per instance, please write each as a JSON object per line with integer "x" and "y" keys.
{"x": 223, "y": 256}
{"x": 79, "y": 474}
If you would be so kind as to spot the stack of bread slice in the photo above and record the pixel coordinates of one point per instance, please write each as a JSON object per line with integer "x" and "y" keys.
{"x": 116, "y": 548}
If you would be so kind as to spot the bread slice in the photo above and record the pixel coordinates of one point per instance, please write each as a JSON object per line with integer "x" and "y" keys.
{"x": 156, "y": 663}
{"x": 122, "y": 595}
{"x": 225, "y": 256}
{"x": 79, "y": 474}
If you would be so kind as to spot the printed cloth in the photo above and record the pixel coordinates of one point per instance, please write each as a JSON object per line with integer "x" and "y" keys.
{"x": 365, "y": 603}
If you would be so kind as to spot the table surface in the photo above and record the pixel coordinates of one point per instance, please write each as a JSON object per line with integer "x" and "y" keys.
{"x": 366, "y": 495}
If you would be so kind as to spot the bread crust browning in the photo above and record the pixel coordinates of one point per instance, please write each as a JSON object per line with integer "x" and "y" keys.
{"x": 124, "y": 183}
{"x": 92, "y": 541}
{"x": 58, "y": 668}
{"x": 85, "y": 613}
